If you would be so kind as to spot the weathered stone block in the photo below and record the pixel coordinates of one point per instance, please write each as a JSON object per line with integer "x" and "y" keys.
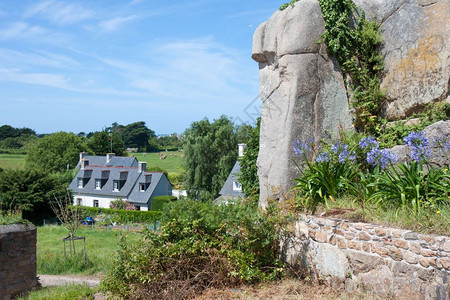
{"x": 410, "y": 257}
{"x": 341, "y": 243}
{"x": 354, "y": 245}
{"x": 395, "y": 253}
{"x": 320, "y": 236}
{"x": 445, "y": 262}
{"x": 383, "y": 252}
{"x": 427, "y": 253}
{"x": 401, "y": 244}
{"x": 380, "y": 231}
{"x": 362, "y": 236}
{"x": 415, "y": 247}
{"x": 424, "y": 262}
{"x": 411, "y": 236}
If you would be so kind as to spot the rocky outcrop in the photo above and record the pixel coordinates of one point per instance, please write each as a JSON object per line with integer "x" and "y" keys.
{"x": 302, "y": 88}
{"x": 415, "y": 47}
{"x": 302, "y": 91}
{"x": 438, "y": 135}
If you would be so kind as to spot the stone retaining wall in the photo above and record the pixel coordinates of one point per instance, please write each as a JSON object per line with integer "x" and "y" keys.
{"x": 386, "y": 261}
{"x": 17, "y": 260}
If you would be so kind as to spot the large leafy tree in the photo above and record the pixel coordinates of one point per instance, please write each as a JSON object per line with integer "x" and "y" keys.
{"x": 137, "y": 135}
{"x": 101, "y": 142}
{"x": 56, "y": 151}
{"x": 248, "y": 176}
{"x": 31, "y": 191}
{"x": 210, "y": 153}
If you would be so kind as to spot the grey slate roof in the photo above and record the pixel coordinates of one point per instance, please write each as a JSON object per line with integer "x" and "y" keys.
{"x": 116, "y": 161}
{"x": 227, "y": 189}
{"x": 130, "y": 188}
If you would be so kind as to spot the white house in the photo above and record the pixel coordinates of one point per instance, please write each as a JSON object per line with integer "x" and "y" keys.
{"x": 102, "y": 179}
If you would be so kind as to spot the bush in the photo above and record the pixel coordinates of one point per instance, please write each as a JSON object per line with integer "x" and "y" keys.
{"x": 158, "y": 202}
{"x": 200, "y": 245}
{"x": 122, "y": 216}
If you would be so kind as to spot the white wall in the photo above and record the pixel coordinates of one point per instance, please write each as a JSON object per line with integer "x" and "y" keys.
{"x": 103, "y": 202}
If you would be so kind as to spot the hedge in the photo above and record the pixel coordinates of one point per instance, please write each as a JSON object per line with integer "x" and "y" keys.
{"x": 158, "y": 202}
{"x": 122, "y": 216}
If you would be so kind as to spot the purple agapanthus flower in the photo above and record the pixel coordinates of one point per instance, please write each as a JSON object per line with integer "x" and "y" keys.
{"x": 369, "y": 143}
{"x": 346, "y": 155}
{"x": 338, "y": 147}
{"x": 419, "y": 145}
{"x": 381, "y": 157}
{"x": 323, "y": 157}
{"x": 301, "y": 147}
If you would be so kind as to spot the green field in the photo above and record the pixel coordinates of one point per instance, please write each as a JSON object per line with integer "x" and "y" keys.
{"x": 101, "y": 246}
{"x": 172, "y": 163}
{"x": 12, "y": 161}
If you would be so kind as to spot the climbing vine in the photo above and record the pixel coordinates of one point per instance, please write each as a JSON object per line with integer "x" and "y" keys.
{"x": 286, "y": 5}
{"x": 355, "y": 42}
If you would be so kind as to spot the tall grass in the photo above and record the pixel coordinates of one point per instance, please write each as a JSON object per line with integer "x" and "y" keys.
{"x": 65, "y": 292}
{"x": 101, "y": 247}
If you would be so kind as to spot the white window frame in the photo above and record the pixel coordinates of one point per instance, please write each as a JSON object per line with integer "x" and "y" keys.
{"x": 80, "y": 183}
{"x": 237, "y": 186}
{"x": 142, "y": 187}
{"x": 98, "y": 184}
{"x": 94, "y": 202}
{"x": 79, "y": 201}
{"x": 115, "y": 186}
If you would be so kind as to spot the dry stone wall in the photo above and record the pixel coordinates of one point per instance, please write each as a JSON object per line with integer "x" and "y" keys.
{"x": 17, "y": 260}
{"x": 386, "y": 261}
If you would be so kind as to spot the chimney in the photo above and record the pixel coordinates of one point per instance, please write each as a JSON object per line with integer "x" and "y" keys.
{"x": 241, "y": 148}
{"x": 84, "y": 163}
{"x": 109, "y": 156}
{"x": 142, "y": 166}
{"x": 82, "y": 155}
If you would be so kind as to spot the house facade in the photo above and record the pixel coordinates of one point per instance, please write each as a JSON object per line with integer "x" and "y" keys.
{"x": 102, "y": 179}
{"x": 232, "y": 187}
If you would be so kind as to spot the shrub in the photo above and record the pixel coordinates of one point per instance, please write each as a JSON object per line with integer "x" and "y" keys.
{"x": 118, "y": 204}
{"x": 122, "y": 216}
{"x": 200, "y": 245}
{"x": 158, "y": 202}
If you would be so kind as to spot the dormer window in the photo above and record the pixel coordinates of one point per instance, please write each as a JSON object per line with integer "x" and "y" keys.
{"x": 98, "y": 184}
{"x": 115, "y": 185}
{"x": 237, "y": 186}
{"x": 80, "y": 183}
{"x": 142, "y": 187}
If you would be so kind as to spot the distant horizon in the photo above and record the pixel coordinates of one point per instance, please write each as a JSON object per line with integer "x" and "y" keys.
{"x": 80, "y": 66}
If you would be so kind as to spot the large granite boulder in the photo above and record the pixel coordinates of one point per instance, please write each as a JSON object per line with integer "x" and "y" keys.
{"x": 302, "y": 88}
{"x": 302, "y": 92}
{"x": 415, "y": 46}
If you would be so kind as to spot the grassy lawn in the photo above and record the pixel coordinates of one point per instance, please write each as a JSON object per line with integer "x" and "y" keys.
{"x": 12, "y": 161}
{"x": 172, "y": 163}
{"x": 101, "y": 246}
{"x": 66, "y": 292}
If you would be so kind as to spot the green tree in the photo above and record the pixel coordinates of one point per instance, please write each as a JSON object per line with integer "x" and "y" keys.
{"x": 56, "y": 151}
{"x": 248, "y": 176}
{"x": 31, "y": 191}
{"x": 137, "y": 135}
{"x": 210, "y": 153}
{"x": 100, "y": 143}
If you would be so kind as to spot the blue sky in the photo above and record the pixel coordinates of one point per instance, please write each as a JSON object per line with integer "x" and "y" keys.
{"x": 82, "y": 65}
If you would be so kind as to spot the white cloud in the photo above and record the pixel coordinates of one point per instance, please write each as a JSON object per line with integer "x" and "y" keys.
{"x": 45, "y": 79}
{"x": 58, "y": 12}
{"x": 20, "y": 30}
{"x": 39, "y": 58}
{"x": 115, "y": 23}
{"x": 197, "y": 71}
